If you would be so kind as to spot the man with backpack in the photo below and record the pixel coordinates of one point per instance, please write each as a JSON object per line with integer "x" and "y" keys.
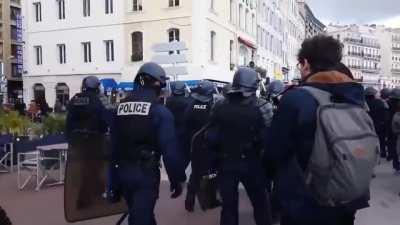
{"x": 321, "y": 135}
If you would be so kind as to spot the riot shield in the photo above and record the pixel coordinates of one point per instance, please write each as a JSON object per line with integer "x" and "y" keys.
{"x": 86, "y": 179}
{"x": 203, "y": 164}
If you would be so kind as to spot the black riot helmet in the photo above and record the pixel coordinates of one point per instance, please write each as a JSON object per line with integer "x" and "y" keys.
{"x": 276, "y": 88}
{"x": 245, "y": 81}
{"x": 204, "y": 91}
{"x": 150, "y": 72}
{"x": 395, "y": 94}
{"x": 385, "y": 93}
{"x": 370, "y": 91}
{"x": 91, "y": 83}
{"x": 178, "y": 87}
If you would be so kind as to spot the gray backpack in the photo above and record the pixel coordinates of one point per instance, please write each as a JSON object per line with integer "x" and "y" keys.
{"x": 345, "y": 152}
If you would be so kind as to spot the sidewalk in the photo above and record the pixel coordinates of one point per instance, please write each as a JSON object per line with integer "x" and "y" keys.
{"x": 46, "y": 206}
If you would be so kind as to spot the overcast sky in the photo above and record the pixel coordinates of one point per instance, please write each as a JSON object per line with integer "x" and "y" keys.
{"x": 357, "y": 11}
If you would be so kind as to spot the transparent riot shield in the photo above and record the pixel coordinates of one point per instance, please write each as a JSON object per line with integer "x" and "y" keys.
{"x": 203, "y": 166}
{"x": 86, "y": 179}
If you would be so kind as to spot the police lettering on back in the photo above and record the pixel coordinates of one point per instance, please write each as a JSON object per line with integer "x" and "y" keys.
{"x": 134, "y": 108}
{"x": 201, "y": 107}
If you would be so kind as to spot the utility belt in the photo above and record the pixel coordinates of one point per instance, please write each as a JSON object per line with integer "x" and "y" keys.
{"x": 144, "y": 158}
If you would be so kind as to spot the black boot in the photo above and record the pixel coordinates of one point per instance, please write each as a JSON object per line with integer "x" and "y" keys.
{"x": 189, "y": 202}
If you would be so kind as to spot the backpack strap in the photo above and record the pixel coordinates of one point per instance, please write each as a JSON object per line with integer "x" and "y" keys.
{"x": 322, "y": 97}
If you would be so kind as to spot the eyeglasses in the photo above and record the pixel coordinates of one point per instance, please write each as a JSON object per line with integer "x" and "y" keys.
{"x": 299, "y": 66}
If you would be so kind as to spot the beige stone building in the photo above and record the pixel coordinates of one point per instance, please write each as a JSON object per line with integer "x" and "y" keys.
{"x": 11, "y": 49}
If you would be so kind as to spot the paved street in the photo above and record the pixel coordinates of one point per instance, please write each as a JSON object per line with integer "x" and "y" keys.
{"x": 46, "y": 207}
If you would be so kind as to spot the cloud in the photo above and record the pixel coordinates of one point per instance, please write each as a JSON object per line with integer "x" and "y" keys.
{"x": 354, "y": 11}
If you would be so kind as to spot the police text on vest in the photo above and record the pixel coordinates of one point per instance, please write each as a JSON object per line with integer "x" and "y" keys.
{"x": 134, "y": 108}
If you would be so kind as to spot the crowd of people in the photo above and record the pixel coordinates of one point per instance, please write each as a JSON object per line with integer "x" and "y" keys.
{"x": 305, "y": 154}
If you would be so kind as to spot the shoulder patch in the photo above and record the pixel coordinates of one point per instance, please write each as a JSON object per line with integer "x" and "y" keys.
{"x": 80, "y": 101}
{"x": 134, "y": 108}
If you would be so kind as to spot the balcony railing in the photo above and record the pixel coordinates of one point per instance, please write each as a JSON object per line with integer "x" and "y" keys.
{"x": 369, "y": 56}
{"x": 396, "y": 71}
{"x": 396, "y": 49}
{"x": 16, "y": 2}
{"x": 362, "y": 42}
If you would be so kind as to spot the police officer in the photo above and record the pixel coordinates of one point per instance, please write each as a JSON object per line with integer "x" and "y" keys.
{"x": 275, "y": 89}
{"x": 394, "y": 105}
{"x": 196, "y": 117}
{"x": 177, "y": 104}
{"x": 87, "y": 123}
{"x": 237, "y": 127}
{"x": 142, "y": 131}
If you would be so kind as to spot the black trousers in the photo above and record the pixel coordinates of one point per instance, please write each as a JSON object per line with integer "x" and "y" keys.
{"x": 345, "y": 219}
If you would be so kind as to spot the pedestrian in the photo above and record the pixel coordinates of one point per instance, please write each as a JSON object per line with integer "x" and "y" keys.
{"x": 196, "y": 116}
{"x": 294, "y": 132}
{"x": 177, "y": 104}
{"x": 377, "y": 111}
{"x": 86, "y": 125}
{"x": 384, "y": 94}
{"x": 394, "y": 103}
{"x": 143, "y": 130}
{"x": 236, "y": 131}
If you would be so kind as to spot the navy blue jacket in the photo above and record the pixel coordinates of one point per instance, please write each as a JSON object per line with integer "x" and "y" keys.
{"x": 163, "y": 122}
{"x": 291, "y": 140}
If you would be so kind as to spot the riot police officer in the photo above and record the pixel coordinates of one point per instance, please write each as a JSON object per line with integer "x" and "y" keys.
{"x": 87, "y": 123}
{"x": 177, "y": 104}
{"x": 196, "y": 117}
{"x": 237, "y": 127}
{"x": 143, "y": 130}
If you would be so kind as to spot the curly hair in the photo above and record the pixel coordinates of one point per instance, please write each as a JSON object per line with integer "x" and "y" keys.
{"x": 322, "y": 53}
{"x": 4, "y": 220}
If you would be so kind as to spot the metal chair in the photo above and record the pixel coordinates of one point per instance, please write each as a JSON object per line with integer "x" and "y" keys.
{"x": 30, "y": 159}
{"x": 6, "y": 153}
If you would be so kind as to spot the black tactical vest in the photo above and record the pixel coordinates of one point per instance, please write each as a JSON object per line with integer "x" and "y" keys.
{"x": 238, "y": 127}
{"x": 83, "y": 106}
{"x": 134, "y": 125}
{"x": 199, "y": 115}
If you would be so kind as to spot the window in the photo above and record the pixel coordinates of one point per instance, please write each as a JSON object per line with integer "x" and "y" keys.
{"x": 173, "y": 35}
{"x": 109, "y": 6}
{"x": 109, "y": 50}
{"x": 232, "y": 12}
{"x": 137, "y": 5}
{"x": 231, "y": 43}
{"x": 247, "y": 22}
{"x": 137, "y": 46}
{"x": 212, "y": 47}
{"x": 61, "y": 9}
{"x": 38, "y": 11}
{"x": 86, "y": 8}
{"x": 61, "y": 54}
{"x": 173, "y": 3}
{"x": 253, "y": 25}
{"x": 241, "y": 19}
{"x": 87, "y": 52}
{"x": 38, "y": 51}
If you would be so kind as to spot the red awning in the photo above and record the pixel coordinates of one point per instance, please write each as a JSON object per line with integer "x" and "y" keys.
{"x": 247, "y": 43}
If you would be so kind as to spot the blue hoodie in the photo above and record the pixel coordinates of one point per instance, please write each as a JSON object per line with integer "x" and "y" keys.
{"x": 291, "y": 138}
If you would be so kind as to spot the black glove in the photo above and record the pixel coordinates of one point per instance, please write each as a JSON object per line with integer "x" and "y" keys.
{"x": 113, "y": 196}
{"x": 176, "y": 190}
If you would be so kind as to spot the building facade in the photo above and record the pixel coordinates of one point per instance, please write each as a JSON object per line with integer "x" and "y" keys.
{"x": 361, "y": 51}
{"x": 11, "y": 50}
{"x": 68, "y": 40}
{"x": 313, "y": 26}
{"x": 280, "y": 31}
